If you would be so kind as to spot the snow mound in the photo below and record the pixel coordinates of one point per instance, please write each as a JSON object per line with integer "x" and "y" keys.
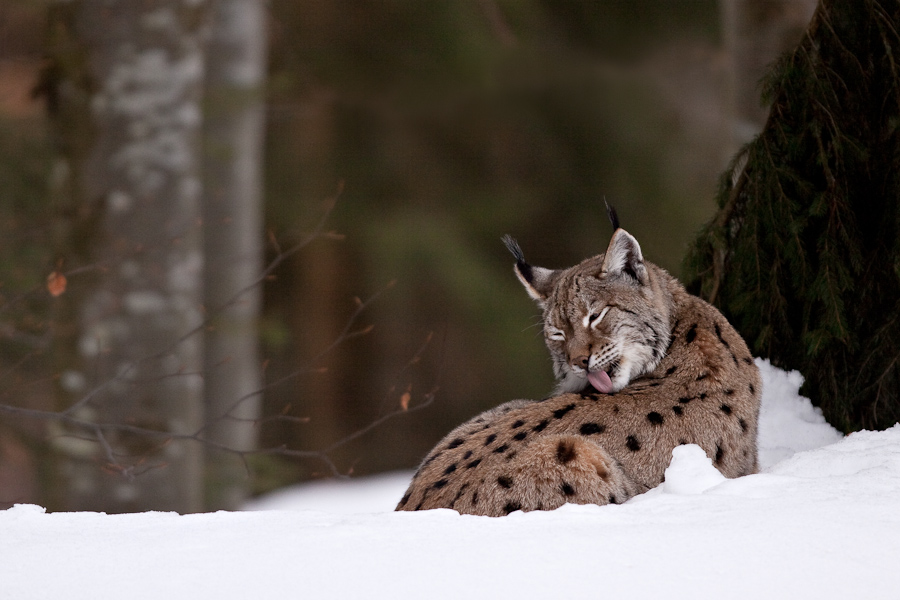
{"x": 788, "y": 422}
{"x": 691, "y": 471}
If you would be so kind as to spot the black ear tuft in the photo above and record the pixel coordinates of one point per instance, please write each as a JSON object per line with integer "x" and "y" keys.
{"x": 524, "y": 268}
{"x": 613, "y": 216}
{"x": 513, "y": 246}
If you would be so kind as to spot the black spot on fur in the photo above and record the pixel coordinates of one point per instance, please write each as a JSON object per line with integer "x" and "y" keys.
{"x": 734, "y": 358}
{"x": 511, "y": 456}
{"x": 748, "y": 360}
{"x": 404, "y": 500}
{"x": 720, "y": 454}
{"x": 702, "y": 376}
{"x": 615, "y": 409}
{"x": 612, "y": 499}
{"x": 592, "y": 428}
{"x": 721, "y": 339}
{"x": 703, "y": 396}
{"x": 685, "y": 399}
{"x": 540, "y": 426}
{"x": 474, "y": 463}
{"x": 565, "y": 452}
{"x": 567, "y": 489}
{"x": 743, "y": 425}
{"x": 439, "y": 484}
{"x": 450, "y": 469}
{"x": 512, "y": 507}
{"x": 520, "y": 436}
{"x": 677, "y": 410}
{"x": 474, "y": 497}
{"x": 559, "y": 414}
{"x": 456, "y": 443}
{"x": 725, "y": 409}
{"x": 671, "y": 370}
{"x": 632, "y": 443}
{"x": 419, "y": 505}
{"x": 467, "y": 454}
{"x": 655, "y": 418}
{"x": 430, "y": 459}
{"x": 752, "y": 389}
{"x": 682, "y": 442}
{"x": 691, "y": 334}
{"x": 518, "y": 424}
{"x": 505, "y": 481}
{"x": 501, "y": 449}
{"x": 729, "y": 392}
{"x": 490, "y": 439}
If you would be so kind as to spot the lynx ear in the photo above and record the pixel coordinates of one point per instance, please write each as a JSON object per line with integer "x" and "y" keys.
{"x": 624, "y": 259}
{"x": 538, "y": 281}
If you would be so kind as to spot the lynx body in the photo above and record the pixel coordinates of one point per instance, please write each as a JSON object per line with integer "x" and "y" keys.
{"x": 642, "y": 367}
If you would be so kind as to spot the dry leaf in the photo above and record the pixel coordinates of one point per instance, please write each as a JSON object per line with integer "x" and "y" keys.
{"x": 405, "y": 398}
{"x": 56, "y": 283}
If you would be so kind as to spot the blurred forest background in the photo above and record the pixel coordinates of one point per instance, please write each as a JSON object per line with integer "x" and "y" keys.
{"x": 439, "y": 126}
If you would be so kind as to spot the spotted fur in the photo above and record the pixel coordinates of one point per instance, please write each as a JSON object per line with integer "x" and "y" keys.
{"x": 697, "y": 384}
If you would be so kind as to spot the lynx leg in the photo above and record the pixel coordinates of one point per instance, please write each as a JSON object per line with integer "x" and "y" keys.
{"x": 550, "y": 472}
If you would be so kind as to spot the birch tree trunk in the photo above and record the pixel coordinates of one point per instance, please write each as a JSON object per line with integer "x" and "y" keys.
{"x": 234, "y": 128}
{"x": 126, "y": 89}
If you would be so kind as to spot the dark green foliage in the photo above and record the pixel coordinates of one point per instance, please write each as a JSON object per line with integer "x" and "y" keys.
{"x": 804, "y": 254}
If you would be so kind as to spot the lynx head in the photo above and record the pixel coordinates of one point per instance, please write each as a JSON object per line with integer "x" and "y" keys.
{"x": 606, "y": 320}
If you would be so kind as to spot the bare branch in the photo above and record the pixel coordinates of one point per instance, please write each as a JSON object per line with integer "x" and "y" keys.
{"x": 98, "y": 432}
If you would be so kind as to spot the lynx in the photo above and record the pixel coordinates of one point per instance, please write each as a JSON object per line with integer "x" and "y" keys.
{"x": 642, "y": 367}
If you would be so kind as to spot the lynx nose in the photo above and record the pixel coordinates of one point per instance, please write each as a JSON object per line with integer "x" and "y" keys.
{"x": 581, "y": 361}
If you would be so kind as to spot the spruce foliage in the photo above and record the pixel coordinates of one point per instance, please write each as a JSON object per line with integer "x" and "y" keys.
{"x": 803, "y": 255}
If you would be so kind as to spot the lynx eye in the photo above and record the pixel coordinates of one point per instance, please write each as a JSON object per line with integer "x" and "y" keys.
{"x": 594, "y": 318}
{"x": 555, "y": 334}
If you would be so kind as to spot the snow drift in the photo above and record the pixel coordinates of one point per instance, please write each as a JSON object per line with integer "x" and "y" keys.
{"x": 821, "y": 521}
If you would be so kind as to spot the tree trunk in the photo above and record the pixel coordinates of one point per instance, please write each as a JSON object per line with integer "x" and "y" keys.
{"x": 233, "y": 146}
{"x": 803, "y": 256}
{"x": 125, "y": 83}
{"x": 755, "y": 33}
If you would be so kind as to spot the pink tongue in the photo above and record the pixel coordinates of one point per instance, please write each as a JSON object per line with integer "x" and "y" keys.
{"x": 601, "y": 382}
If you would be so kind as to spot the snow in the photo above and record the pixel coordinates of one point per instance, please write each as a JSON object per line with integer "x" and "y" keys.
{"x": 821, "y": 521}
